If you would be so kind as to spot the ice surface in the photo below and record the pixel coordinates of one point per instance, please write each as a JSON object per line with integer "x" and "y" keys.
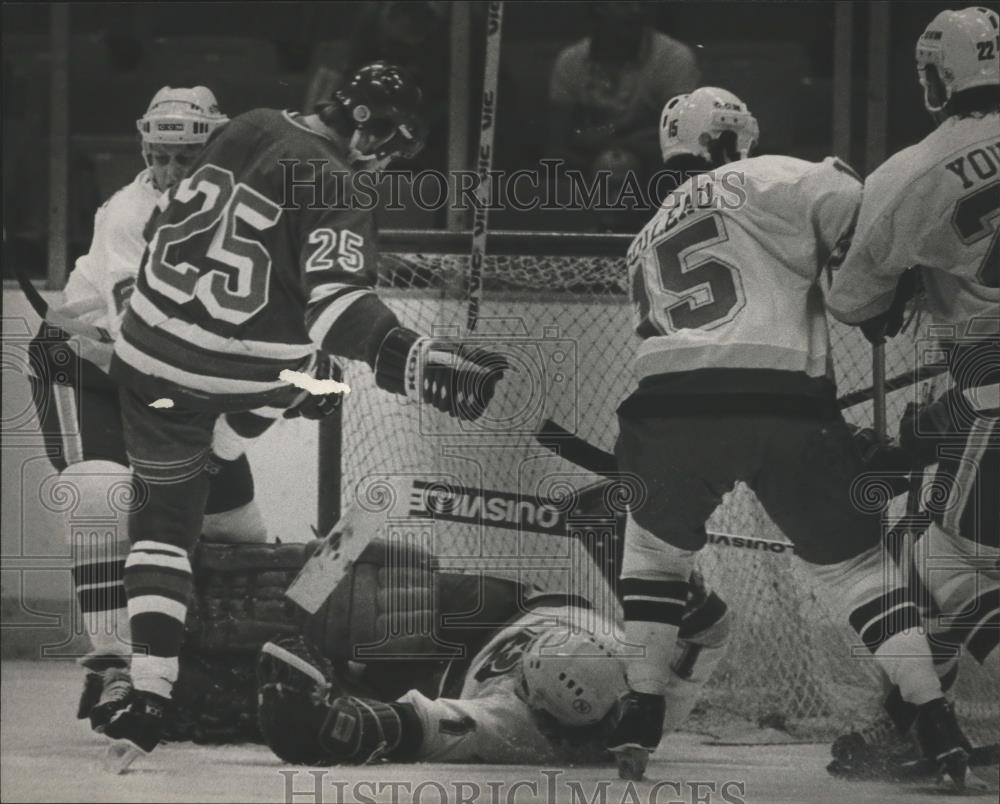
{"x": 47, "y": 755}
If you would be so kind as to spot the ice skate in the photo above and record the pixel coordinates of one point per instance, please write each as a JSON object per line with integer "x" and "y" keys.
{"x": 134, "y": 730}
{"x": 97, "y": 667}
{"x": 116, "y": 687}
{"x": 636, "y": 733}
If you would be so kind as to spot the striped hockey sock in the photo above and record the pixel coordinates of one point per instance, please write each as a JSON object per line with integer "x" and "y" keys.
{"x": 884, "y": 613}
{"x": 159, "y": 584}
{"x": 98, "y": 569}
{"x": 653, "y": 612}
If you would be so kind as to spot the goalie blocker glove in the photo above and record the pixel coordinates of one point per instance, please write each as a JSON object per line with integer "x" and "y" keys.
{"x": 456, "y": 378}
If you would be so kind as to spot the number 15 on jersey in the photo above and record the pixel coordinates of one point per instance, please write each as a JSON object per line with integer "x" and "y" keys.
{"x": 686, "y": 288}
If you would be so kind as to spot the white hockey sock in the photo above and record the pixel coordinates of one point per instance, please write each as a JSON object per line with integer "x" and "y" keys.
{"x": 654, "y": 590}
{"x": 694, "y": 660}
{"x": 963, "y": 578}
{"x": 906, "y": 659}
{"x": 156, "y": 674}
{"x": 882, "y": 610}
{"x": 650, "y": 671}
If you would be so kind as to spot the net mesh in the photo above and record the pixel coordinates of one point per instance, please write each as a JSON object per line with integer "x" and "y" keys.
{"x": 567, "y": 323}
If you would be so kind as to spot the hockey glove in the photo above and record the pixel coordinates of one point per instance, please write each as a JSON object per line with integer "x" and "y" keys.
{"x": 361, "y": 730}
{"x": 318, "y": 406}
{"x": 456, "y": 378}
{"x": 924, "y": 427}
{"x": 888, "y": 324}
{"x": 295, "y": 688}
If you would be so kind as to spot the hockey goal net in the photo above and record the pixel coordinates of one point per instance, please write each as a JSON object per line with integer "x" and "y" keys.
{"x": 558, "y": 306}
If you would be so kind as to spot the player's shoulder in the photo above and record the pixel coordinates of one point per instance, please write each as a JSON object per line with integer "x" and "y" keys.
{"x": 131, "y": 205}
{"x": 915, "y": 173}
{"x": 774, "y": 169}
{"x": 293, "y": 138}
{"x": 796, "y": 181}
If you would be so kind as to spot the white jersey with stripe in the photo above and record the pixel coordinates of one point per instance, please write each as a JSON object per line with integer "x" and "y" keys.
{"x": 102, "y": 279}
{"x": 726, "y": 274}
{"x": 935, "y": 205}
{"x": 489, "y": 721}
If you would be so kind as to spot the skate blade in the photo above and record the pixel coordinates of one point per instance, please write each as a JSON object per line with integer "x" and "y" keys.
{"x": 632, "y": 763}
{"x": 120, "y": 755}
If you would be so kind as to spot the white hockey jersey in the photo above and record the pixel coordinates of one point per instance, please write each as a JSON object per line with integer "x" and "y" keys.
{"x": 936, "y": 205}
{"x": 726, "y": 273}
{"x": 102, "y": 278}
{"x": 490, "y": 722}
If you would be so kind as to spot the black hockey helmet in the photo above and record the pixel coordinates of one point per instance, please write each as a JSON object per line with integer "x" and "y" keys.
{"x": 384, "y": 103}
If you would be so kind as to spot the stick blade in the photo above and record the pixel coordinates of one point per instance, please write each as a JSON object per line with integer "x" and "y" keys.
{"x": 324, "y": 570}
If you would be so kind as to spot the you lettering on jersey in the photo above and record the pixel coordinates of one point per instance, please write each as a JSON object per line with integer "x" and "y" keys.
{"x": 976, "y": 165}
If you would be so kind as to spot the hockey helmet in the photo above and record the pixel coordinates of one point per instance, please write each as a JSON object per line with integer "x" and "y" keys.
{"x": 173, "y": 130}
{"x": 384, "y": 103}
{"x": 963, "y": 47}
{"x": 690, "y": 122}
{"x": 180, "y": 116}
{"x": 573, "y": 676}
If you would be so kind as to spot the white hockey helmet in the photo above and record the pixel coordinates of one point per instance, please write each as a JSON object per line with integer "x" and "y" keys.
{"x": 964, "y": 48}
{"x": 574, "y": 676}
{"x": 690, "y": 122}
{"x": 180, "y": 116}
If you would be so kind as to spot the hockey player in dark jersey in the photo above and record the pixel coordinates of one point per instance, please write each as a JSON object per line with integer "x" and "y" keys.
{"x": 250, "y": 268}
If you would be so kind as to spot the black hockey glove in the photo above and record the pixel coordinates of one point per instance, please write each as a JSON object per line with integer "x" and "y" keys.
{"x": 923, "y": 428}
{"x": 888, "y": 324}
{"x": 295, "y": 687}
{"x": 360, "y": 730}
{"x": 456, "y": 378}
{"x": 318, "y": 406}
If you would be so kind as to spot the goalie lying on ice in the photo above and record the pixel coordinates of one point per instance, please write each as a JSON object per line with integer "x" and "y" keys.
{"x": 542, "y": 689}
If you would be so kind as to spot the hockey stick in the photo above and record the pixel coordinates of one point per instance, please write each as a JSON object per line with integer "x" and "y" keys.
{"x": 903, "y": 380}
{"x": 328, "y": 565}
{"x": 55, "y": 317}
{"x": 484, "y": 162}
{"x": 587, "y": 456}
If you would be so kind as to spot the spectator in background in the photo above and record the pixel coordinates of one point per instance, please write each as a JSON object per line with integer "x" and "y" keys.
{"x": 412, "y": 34}
{"x": 607, "y": 91}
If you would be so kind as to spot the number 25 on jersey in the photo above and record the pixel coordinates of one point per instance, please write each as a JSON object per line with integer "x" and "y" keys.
{"x": 203, "y": 257}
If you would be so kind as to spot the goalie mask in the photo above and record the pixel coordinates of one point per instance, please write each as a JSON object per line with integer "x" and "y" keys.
{"x": 572, "y": 676}
{"x": 383, "y": 103}
{"x": 690, "y": 123}
{"x": 174, "y": 129}
{"x": 963, "y": 49}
